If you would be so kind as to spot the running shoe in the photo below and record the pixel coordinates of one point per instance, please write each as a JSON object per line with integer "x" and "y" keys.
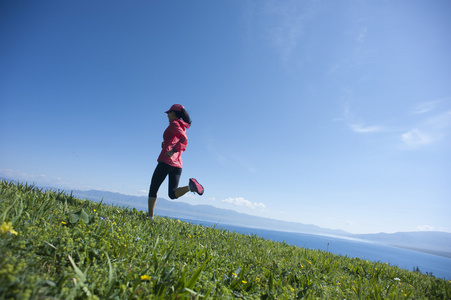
{"x": 195, "y": 186}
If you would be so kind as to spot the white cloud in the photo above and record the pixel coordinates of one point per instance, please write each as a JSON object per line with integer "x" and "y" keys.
{"x": 356, "y": 125}
{"x": 429, "y": 131}
{"x": 425, "y": 228}
{"x": 189, "y": 196}
{"x": 243, "y": 202}
{"x": 415, "y": 138}
{"x": 358, "y": 128}
{"x": 349, "y": 223}
{"x": 362, "y": 35}
{"x": 143, "y": 192}
{"x": 425, "y": 107}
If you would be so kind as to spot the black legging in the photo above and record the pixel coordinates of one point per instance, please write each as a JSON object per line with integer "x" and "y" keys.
{"x": 160, "y": 173}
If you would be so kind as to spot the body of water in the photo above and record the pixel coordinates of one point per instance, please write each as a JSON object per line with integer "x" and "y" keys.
{"x": 439, "y": 266}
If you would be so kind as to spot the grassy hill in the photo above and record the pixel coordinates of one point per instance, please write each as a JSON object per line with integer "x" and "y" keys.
{"x": 55, "y": 246}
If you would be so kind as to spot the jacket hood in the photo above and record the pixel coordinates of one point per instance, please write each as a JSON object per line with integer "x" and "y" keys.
{"x": 182, "y": 123}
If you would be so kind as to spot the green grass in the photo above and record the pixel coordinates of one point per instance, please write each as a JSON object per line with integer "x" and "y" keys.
{"x": 67, "y": 248}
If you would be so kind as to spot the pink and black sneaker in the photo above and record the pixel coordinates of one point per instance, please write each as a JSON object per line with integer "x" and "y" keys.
{"x": 195, "y": 186}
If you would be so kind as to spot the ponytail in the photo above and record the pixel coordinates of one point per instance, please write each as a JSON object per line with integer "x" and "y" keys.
{"x": 183, "y": 114}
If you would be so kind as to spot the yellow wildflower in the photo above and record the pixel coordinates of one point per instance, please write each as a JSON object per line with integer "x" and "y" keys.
{"x": 145, "y": 277}
{"x": 64, "y": 223}
{"x": 244, "y": 281}
{"x": 7, "y": 227}
{"x": 114, "y": 223}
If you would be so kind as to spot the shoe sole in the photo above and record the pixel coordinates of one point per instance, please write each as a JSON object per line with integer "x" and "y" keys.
{"x": 196, "y": 186}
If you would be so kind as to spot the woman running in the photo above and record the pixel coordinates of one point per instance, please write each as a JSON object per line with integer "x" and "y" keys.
{"x": 170, "y": 160}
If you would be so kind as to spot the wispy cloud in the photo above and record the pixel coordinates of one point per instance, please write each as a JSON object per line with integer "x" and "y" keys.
{"x": 359, "y": 128}
{"x": 286, "y": 21}
{"x": 356, "y": 125}
{"x": 143, "y": 192}
{"x": 440, "y": 121}
{"x": 243, "y": 202}
{"x": 415, "y": 137}
{"x": 362, "y": 34}
{"x": 431, "y": 130}
{"x": 425, "y": 107}
{"x": 425, "y": 228}
{"x": 189, "y": 196}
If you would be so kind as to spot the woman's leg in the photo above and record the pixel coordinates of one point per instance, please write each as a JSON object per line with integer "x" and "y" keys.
{"x": 174, "y": 178}
{"x": 160, "y": 173}
{"x": 179, "y": 192}
{"x": 151, "y": 202}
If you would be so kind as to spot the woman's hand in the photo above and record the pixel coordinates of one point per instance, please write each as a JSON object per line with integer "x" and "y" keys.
{"x": 170, "y": 153}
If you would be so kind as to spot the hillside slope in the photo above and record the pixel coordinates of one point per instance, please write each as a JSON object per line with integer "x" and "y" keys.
{"x": 53, "y": 245}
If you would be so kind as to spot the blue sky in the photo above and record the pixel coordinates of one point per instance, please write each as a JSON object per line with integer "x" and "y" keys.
{"x": 333, "y": 113}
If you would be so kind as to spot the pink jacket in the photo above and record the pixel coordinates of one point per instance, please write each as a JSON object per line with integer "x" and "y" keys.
{"x": 174, "y": 137}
